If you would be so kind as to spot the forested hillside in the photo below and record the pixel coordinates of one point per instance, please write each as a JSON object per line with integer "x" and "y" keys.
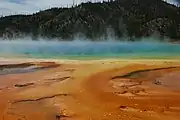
{"x": 97, "y": 21}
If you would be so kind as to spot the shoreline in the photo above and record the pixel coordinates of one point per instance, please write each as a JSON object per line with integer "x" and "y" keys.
{"x": 64, "y": 60}
{"x": 98, "y": 63}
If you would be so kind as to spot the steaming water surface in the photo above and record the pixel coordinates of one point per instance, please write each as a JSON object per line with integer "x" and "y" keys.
{"x": 87, "y": 49}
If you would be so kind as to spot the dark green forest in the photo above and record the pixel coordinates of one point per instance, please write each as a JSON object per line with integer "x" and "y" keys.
{"x": 97, "y": 21}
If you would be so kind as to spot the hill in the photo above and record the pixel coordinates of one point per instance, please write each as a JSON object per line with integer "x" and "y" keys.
{"x": 97, "y": 21}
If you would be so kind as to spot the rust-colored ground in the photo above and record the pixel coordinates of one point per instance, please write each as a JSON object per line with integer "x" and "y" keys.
{"x": 93, "y": 90}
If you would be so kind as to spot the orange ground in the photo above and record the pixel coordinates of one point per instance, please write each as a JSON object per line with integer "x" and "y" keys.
{"x": 98, "y": 90}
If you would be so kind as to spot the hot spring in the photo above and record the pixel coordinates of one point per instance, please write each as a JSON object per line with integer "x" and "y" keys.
{"x": 78, "y": 49}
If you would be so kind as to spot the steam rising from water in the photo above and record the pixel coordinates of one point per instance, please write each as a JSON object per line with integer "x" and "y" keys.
{"x": 79, "y": 49}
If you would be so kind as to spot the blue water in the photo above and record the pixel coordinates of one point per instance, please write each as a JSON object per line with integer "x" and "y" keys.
{"x": 87, "y": 49}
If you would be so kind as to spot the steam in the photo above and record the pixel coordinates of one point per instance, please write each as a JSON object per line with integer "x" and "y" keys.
{"x": 44, "y": 48}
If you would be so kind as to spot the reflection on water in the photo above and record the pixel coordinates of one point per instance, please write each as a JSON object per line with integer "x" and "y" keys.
{"x": 55, "y": 49}
{"x": 25, "y": 67}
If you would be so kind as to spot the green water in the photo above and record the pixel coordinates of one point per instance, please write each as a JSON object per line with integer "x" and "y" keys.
{"x": 87, "y": 50}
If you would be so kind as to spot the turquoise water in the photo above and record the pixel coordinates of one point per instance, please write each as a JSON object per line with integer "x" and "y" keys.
{"x": 89, "y": 50}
